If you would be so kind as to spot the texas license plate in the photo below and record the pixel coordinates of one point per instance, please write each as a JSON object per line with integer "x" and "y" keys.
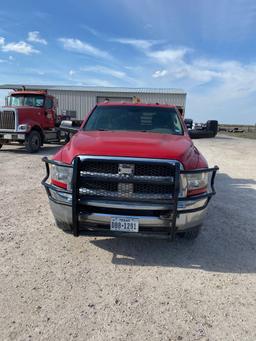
{"x": 124, "y": 224}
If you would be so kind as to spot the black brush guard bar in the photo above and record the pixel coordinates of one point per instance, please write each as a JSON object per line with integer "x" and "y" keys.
{"x": 175, "y": 199}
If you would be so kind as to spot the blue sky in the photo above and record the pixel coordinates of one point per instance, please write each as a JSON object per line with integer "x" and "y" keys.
{"x": 206, "y": 47}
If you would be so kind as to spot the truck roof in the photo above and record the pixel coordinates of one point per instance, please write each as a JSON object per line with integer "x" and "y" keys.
{"x": 28, "y": 92}
{"x": 136, "y": 104}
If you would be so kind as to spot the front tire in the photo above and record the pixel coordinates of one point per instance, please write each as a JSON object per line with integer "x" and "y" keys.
{"x": 1, "y": 145}
{"x": 33, "y": 141}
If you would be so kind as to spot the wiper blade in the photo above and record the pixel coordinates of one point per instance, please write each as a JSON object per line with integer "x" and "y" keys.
{"x": 98, "y": 130}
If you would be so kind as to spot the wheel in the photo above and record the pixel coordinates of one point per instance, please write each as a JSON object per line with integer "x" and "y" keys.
{"x": 33, "y": 141}
{"x": 212, "y": 126}
{"x": 1, "y": 145}
{"x": 190, "y": 234}
{"x": 63, "y": 226}
{"x": 200, "y": 134}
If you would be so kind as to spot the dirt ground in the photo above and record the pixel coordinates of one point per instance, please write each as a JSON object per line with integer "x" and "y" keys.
{"x": 57, "y": 287}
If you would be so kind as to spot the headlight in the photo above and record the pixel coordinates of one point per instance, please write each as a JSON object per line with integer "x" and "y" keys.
{"x": 61, "y": 176}
{"x": 197, "y": 183}
{"x": 24, "y": 127}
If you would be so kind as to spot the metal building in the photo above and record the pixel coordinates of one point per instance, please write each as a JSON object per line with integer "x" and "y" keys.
{"x": 81, "y": 99}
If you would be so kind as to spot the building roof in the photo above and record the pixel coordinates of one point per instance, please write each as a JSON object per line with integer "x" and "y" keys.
{"x": 93, "y": 89}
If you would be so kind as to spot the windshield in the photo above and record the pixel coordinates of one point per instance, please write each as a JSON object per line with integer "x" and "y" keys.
{"x": 26, "y": 100}
{"x": 135, "y": 118}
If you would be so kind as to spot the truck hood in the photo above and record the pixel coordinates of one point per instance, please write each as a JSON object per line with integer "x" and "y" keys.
{"x": 28, "y": 115}
{"x": 131, "y": 144}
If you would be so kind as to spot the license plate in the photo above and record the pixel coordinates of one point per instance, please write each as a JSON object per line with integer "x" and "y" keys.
{"x": 124, "y": 224}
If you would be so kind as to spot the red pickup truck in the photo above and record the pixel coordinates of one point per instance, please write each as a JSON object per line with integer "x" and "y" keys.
{"x": 130, "y": 169}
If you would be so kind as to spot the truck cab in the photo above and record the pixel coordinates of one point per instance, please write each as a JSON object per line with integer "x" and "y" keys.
{"x": 29, "y": 117}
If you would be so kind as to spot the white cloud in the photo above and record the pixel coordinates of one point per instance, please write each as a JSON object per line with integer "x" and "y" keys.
{"x": 34, "y": 71}
{"x": 19, "y": 47}
{"x": 168, "y": 55}
{"x": 71, "y": 72}
{"x": 98, "y": 82}
{"x": 91, "y": 30}
{"x": 215, "y": 87}
{"x": 228, "y": 101}
{"x": 183, "y": 70}
{"x": 91, "y": 82}
{"x": 138, "y": 43}
{"x": 159, "y": 73}
{"x": 34, "y": 37}
{"x": 105, "y": 70}
{"x": 10, "y": 59}
{"x": 231, "y": 79}
{"x": 77, "y": 45}
{"x": 2, "y": 40}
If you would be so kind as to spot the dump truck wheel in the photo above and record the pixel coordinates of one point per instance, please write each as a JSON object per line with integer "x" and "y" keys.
{"x": 33, "y": 141}
{"x": 212, "y": 126}
{"x": 190, "y": 234}
{"x": 200, "y": 134}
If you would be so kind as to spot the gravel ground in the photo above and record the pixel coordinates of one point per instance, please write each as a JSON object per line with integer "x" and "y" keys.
{"x": 57, "y": 287}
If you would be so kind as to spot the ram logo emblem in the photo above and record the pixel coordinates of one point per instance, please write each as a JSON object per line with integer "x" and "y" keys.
{"x": 126, "y": 169}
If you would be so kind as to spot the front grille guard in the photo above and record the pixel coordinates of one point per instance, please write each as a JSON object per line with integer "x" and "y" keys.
{"x": 76, "y": 196}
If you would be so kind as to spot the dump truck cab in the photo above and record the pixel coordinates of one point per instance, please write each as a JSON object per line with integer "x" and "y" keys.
{"x": 29, "y": 117}
{"x": 35, "y": 107}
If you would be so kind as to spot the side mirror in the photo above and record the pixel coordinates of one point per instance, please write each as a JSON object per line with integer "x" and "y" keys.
{"x": 69, "y": 127}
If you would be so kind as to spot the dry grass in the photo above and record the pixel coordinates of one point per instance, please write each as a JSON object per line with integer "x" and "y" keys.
{"x": 247, "y": 135}
{"x": 249, "y": 131}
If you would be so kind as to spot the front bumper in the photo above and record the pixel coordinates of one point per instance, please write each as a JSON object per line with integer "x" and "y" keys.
{"x": 148, "y": 224}
{"x": 157, "y": 219}
{"x": 7, "y": 136}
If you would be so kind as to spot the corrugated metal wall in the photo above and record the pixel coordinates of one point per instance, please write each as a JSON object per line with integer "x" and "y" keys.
{"x": 83, "y": 101}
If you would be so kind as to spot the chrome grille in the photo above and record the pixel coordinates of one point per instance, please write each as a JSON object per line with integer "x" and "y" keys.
{"x": 144, "y": 181}
{"x": 7, "y": 120}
